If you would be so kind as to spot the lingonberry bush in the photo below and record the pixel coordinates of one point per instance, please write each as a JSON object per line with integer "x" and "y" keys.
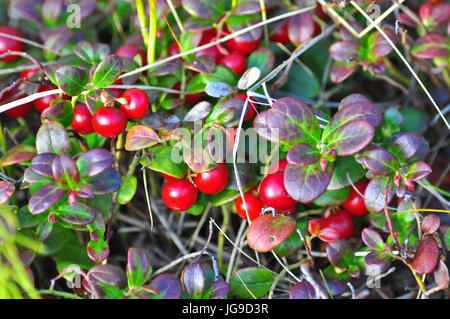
{"x": 223, "y": 149}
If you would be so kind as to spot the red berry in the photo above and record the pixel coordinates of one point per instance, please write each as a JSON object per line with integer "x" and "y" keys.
{"x": 207, "y": 36}
{"x": 44, "y": 102}
{"x": 28, "y": 74}
{"x": 179, "y": 194}
{"x": 235, "y": 44}
{"x": 213, "y": 181}
{"x": 279, "y": 166}
{"x": 10, "y": 44}
{"x": 131, "y": 50}
{"x": 341, "y": 221}
{"x": 282, "y": 35}
{"x": 235, "y": 61}
{"x": 354, "y": 204}
{"x": 18, "y": 111}
{"x": 82, "y": 120}
{"x": 109, "y": 122}
{"x": 320, "y": 13}
{"x": 251, "y": 108}
{"x": 138, "y": 103}
{"x": 173, "y": 49}
{"x": 254, "y": 206}
{"x": 211, "y": 51}
{"x": 273, "y": 193}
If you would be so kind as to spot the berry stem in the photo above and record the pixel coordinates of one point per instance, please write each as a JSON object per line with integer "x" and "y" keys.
{"x": 221, "y": 239}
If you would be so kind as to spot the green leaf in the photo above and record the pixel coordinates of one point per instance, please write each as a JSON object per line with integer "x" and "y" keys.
{"x": 71, "y": 80}
{"x": 249, "y": 283}
{"x": 52, "y": 137}
{"x": 302, "y": 82}
{"x": 204, "y": 8}
{"x": 263, "y": 59}
{"x": 98, "y": 250}
{"x": 162, "y": 162}
{"x": 127, "y": 190}
{"x": 138, "y": 267}
{"x": 333, "y": 198}
{"x": 76, "y": 214}
{"x": 221, "y": 74}
{"x": 107, "y": 71}
{"x": 342, "y": 166}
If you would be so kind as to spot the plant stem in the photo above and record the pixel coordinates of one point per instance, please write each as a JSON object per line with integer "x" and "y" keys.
{"x": 59, "y": 294}
{"x": 221, "y": 239}
{"x": 153, "y": 25}
{"x": 142, "y": 20}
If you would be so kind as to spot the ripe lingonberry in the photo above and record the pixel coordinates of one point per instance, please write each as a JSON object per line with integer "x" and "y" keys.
{"x": 235, "y": 61}
{"x": 137, "y": 103}
{"x": 179, "y": 194}
{"x": 131, "y": 50}
{"x": 44, "y": 102}
{"x": 354, "y": 204}
{"x": 82, "y": 120}
{"x": 109, "y": 122}
{"x": 10, "y": 44}
{"x": 273, "y": 193}
{"x": 254, "y": 206}
{"x": 341, "y": 221}
{"x": 213, "y": 181}
{"x": 282, "y": 35}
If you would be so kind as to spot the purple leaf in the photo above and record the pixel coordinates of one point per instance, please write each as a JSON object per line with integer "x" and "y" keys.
{"x": 97, "y": 250}
{"x": 18, "y": 154}
{"x": 219, "y": 289}
{"x": 379, "y": 47}
{"x": 141, "y": 137}
{"x": 303, "y": 290}
{"x": 106, "y": 274}
{"x": 202, "y": 64}
{"x": 372, "y": 239}
{"x": 42, "y": 164}
{"x": 44, "y": 230}
{"x": 301, "y": 28}
{"x": 77, "y": 214}
{"x": 290, "y": 121}
{"x": 305, "y": 183}
{"x": 65, "y": 171}
{"x": 6, "y": 191}
{"x": 107, "y": 71}
{"x": 303, "y": 154}
{"x": 405, "y": 145}
{"x": 336, "y": 252}
{"x": 106, "y": 182}
{"x": 339, "y": 71}
{"x": 199, "y": 112}
{"x": 167, "y": 68}
{"x": 44, "y": 198}
{"x": 375, "y": 264}
{"x": 431, "y": 223}
{"x": 380, "y": 161}
{"x": 417, "y": 171}
{"x": 85, "y": 192}
{"x": 94, "y": 162}
{"x": 52, "y": 137}
{"x": 374, "y": 198}
{"x": 161, "y": 121}
{"x": 138, "y": 267}
{"x": 168, "y": 285}
{"x": 431, "y": 46}
{"x": 352, "y": 137}
{"x": 193, "y": 279}
{"x": 427, "y": 256}
{"x": 344, "y": 51}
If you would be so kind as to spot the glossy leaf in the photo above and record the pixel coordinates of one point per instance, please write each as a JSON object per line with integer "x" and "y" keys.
{"x": 405, "y": 145}
{"x": 203, "y": 8}
{"x": 167, "y": 68}
{"x": 193, "y": 279}
{"x": 71, "y": 80}
{"x": 52, "y": 137}
{"x": 218, "y": 89}
{"x": 328, "y": 234}
{"x": 98, "y": 250}
{"x": 107, "y": 71}
{"x": 227, "y": 112}
{"x": 263, "y": 59}
{"x": 301, "y": 28}
{"x": 417, "y": 171}
{"x": 249, "y": 78}
{"x": 18, "y": 154}
{"x": 305, "y": 183}
{"x": 352, "y": 137}
{"x": 375, "y": 264}
{"x": 378, "y": 46}
{"x": 163, "y": 162}
{"x": 106, "y": 274}
{"x": 168, "y": 285}
{"x": 6, "y": 191}
{"x": 267, "y": 232}
{"x": 44, "y": 230}
{"x": 289, "y": 121}
{"x": 372, "y": 239}
{"x": 201, "y": 64}
{"x": 139, "y": 268}
{"x": 77, "y": 214}
{"x": 333, "y": 198}
{"x": 236, "y": 23}
{"x": 199, "y": 112}
{"x": 431, "y": 223}
{"x": 94, "y": 162}
{"x": 161, "y": 121}
{"x": 127, "y": 190}
{"x": 42, "y": 164}
{"x": 61, "y": 112}
{"x": 341, "y": 71}
{"x": 343, "y": 166}
{"x": 431, "y": 46}
{"x": 141, "y": 137}
{"x": 303, "y": 154}
{"x": 336, "y": 253}
{"x": 45, "y": 198}
{"x": 65, "y": 171}
{"x": 344, "y": 51}
{"x": 257, "y": 280}
{"x": 374, "y": 198}
{"x": 106, "y": 182}
{"x": 303, "y": 290}
{"x": 219, "y": 289}
{"x": 380, "y": 161}
{"x": 427, "y": 256}
{"x": 91, "y": 53}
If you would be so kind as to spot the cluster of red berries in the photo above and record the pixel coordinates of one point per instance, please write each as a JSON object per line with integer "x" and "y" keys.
{"x": 180, "y": 194}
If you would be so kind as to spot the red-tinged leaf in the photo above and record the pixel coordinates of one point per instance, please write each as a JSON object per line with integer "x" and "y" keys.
{"x": 380, "y": 161}
{"x": 98, "y": 251}
{"x": 168, "y": 285}
{"x": 139, "y": 268}
{"x": 336, "y": 252}
{"x": 417, "y": 171}
{"x": 441, "y": 277}
{"x": 352, "y": 137}
{"x": 303, "y": 290}
{"x": 52, "y": 137}
{"x": 314, "y": 227}
{"x": 344, "y": 51}
{"x": 65, "y": 171}
{"x": 202, "y": 64}
{"x": 372, "y": 239}
{"x": 44, "y": 230}
{"x": 374, "y": 198}
{"x": 71, "y": 80}
{"x": 106, "y": 274}
{"x": 431, "y": 46}
{"x": 406, "y": 20}
{"x": 44, "y": 198}
{"x": 219, "y": 289}
{"x": 375, "y": 264}
{"x": 405, "y": 145}
{"x": 377, "y": 67}
{"x": 161, "y": 121}
{"x": 203, "y": 8}
{"x": 199, "y": 112}
{"x": 85, "y": 192}
{"x": 107, "y": 71}
{"x": 301, "y": 28}
{"x": 77, "y": 214}
{"x": 427, "y": 256}
{"x": 18, "y": 154}
{"x": 378, "y": 46}
{"x": 328, "y": 235}
{"x": 267, "y": 232}
{"x": 6, "y": 191}
{"x": 94, "y": 162}
{"x": 437, "y": 15}
{"x": 167, "y": 68}
{"x": 42, "y": 164}
{"x": 31, "y": 176}
{"x": 303, "y": 154}
{"x": 106, "y": 182}
{"x": 290, "y": 121}
{"x": 141, "y": 137}
{"x": 236, "y": 23}
{"x": 346, "y": 34}
{"x": 193, "y": 279}
{"x": 305, "y": 183}
{"x": 431, "y": 223}
{"x": 340, "y": 71}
